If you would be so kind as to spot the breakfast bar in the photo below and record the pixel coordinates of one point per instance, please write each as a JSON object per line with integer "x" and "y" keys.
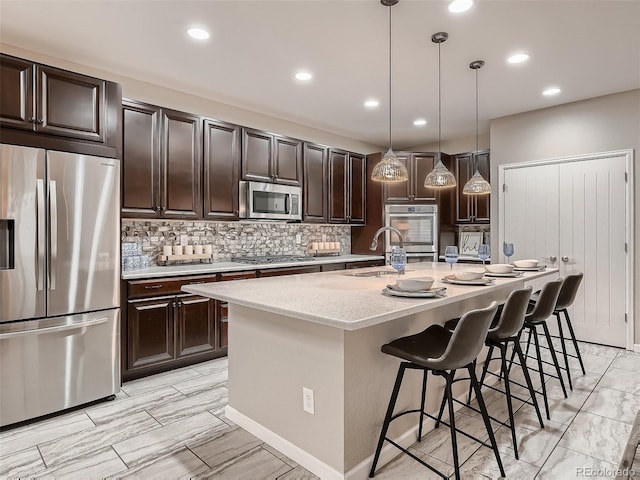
{"x": 321, "y": 334}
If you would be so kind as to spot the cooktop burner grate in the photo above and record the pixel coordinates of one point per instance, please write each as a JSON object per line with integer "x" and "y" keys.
{"x": 272, "y": 259}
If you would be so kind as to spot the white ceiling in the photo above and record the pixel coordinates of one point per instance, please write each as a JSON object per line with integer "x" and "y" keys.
{"x": 587, "y": 48}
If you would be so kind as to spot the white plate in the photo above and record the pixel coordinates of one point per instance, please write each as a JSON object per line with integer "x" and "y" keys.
{"x": 431, "y": 293}
{"x": 539, "y": 268}
{"x": 510, "y": 274}
{"x": 481, "y": 281}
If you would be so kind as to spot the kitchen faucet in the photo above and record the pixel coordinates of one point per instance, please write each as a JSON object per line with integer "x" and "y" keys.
{"x": 374, "y": 242}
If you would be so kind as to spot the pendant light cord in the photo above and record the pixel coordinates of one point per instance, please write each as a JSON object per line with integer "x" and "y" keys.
{"x": 390, "y": 143}
{"x": 439, "y": 107}
{"x": 476, "y": 155}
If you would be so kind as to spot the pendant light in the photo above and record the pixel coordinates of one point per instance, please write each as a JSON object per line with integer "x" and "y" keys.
{"x": 476, "y": 185}
{"x": 389, "y": 169}
{"x": 439, "y": 177}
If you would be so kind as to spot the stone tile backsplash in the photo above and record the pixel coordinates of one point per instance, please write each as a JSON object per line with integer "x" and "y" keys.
{"x": 233, "y": 239}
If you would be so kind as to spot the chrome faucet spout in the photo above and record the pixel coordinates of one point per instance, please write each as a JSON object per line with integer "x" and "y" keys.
{"x": 374, "y": 242}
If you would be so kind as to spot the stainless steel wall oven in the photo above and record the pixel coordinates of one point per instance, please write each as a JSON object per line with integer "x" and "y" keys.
{"x": 419, "y": 227}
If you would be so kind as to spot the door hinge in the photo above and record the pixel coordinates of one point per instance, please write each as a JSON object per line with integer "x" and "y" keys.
{"x": 504, "y": 187}
{"x": 626, "y": 247}
{"x": 626, "y": 177}
{"x": 625, "y": 318}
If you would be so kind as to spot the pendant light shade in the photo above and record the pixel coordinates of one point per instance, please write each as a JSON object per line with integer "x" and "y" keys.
{"x": 476, "y": 185}
{"x": 389, "y": 169}
{"x": 440, "y": 177}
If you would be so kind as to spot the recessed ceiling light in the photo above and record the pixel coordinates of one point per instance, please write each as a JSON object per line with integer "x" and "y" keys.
{"x": 198, "y": 33}
{"x": 459, "y": 6}
{"x": 419, "y": 122}
{"x": 304, "y": 76}
{"x": 551, "y": 91}
{"x": 371, "y": 103}
{"x": 518, "y": 58}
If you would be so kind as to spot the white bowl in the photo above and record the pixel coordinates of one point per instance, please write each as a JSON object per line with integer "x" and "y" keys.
{"x": 529, "y": 263}
{"x": 469, "y": 275}
{"x": 415, "y": 284}
{"x": 499, "y": 268}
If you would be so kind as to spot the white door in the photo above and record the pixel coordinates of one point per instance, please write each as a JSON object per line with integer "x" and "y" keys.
{"x": 572, "y": 215}
{"x": 592, "y": 241}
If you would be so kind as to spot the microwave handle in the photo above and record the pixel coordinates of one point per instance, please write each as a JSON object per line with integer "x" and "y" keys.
{"x": 243, "y": 198}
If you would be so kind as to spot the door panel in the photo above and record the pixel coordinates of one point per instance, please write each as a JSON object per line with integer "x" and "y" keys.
{"x": 84, "y": 273}
{"x": 315, "y": 183}
{"x": 221, "y": 169}
{"x": 196, "y": 325}
{"x": 288, "y": 161}
{"x": 357, "y": 186}
{"x": 22, "y": 233}
{"x": 422, "y": 166}
{"x": 150, "y": 332}
{"x": 16, "y": 94}
{"x": 533, "y": 231}
{"x": 338, "y": 186}
{"x": 256, "y": 155}
{"x": 399, "y": 192}
{"x": 592, "y": 216}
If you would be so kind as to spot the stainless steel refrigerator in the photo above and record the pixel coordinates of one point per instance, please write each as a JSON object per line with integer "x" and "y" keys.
{"x": 59, "y": 281}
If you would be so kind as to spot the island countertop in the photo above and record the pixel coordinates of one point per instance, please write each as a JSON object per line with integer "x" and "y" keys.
{"x": 343, "y": 300}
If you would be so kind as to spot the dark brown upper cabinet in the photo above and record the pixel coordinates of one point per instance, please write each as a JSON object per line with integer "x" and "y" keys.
{"x": 38, "y": 99}
{"x": 315, "y": 166}
{"x": 347, "y": 189}
{"x": 471, "y": 208}
{"x": 271, "y": 158}
{"x": 162, "y": 162}
{"x": 221, "y": 169}
{"x": 413, "y": 190}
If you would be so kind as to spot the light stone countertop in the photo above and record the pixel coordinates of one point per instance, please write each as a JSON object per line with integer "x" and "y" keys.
{"x": 340, "y": 299}
{"x": 216, "y": 267}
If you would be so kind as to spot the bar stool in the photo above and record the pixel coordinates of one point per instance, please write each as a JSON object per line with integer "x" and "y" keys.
{"x": 441, "y": 352}
{"x": 505, "y": 329}
{"x": 536, "y": 316}
{"x": 567, "y": 296}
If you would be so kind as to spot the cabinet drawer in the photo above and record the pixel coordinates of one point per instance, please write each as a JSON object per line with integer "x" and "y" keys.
{"x": 368, "y": 263}
{"x": 289, "y": 271}
{"x": 223, "y": 277}
{"x": 157, "y": 287}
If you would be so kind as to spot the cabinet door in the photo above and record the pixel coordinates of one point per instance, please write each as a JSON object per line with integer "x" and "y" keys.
{"x": 195, "y": 325}
{"x": 481, "y": 202}
{"x": 150, "y": 332}
{"x": 16, "y": 94}
{"x": 140, "y": 159}
{"x": 287, "y": 161}
{"x": 315, "y": 183}
{"x": 221, "y": 170}
{"x": 70, "y": 105}
{"x": 223, "y": 324}
{"x": 421, "y": 166}
{"x": 399, "y": 192}
{"x": 257, "y": 153}
{"x": 181, "y": 165}
{"x": 357, "y": 185}
{"x": 464, "y": 164}
{"x": 338, "y": 163}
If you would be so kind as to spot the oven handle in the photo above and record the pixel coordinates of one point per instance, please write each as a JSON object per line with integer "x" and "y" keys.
{"x": 59, "y": 328}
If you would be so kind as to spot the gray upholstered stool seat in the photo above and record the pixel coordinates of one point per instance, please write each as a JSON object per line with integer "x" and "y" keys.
{"x": 441, "y": 352}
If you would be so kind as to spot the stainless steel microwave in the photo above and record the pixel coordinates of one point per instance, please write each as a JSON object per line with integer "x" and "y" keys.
{"x": 270, "y": 201}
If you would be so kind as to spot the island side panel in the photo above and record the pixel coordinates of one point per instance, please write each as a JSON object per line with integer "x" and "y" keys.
{"x": 370, "y": 375}
{"x": 271, "y": 357}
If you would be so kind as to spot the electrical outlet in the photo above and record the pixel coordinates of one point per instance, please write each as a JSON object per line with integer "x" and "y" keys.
{"x": 298, "y": 239}
{"x": 308, "y": 404}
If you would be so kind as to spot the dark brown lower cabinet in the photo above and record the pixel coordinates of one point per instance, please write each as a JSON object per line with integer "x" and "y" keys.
{"x": 196, "y": 325}
{"x": 150, "y": 332}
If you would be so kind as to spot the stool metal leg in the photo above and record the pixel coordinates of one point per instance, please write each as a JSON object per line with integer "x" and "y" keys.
{"x": 573, "y": 339}
{"x": 485, "y": 367}
{"x": 540, "y": 369}
{"x": 387, "y": 418}
{"x": 527, "y": 377}
{"x": 507, "y": 389}
{"x": 485, "y": 417}
{"x": 452, "y": 422}
{"x": 564, "y": 349}
{"x": 424, "y": 392}
{"x": 554, "y": 356}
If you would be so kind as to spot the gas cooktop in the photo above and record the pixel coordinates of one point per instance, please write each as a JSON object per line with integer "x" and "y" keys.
{"x": 272, "y": 259}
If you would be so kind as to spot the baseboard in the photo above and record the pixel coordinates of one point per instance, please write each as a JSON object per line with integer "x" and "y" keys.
{"x": 636, "y": 348}
{"x": 320, "y": 468}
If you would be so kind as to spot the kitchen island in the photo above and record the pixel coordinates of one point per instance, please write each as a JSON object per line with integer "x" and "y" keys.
{"x": 323, "y": 332}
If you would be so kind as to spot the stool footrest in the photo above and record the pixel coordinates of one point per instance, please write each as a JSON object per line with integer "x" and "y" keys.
{"x": 416, "y": 458}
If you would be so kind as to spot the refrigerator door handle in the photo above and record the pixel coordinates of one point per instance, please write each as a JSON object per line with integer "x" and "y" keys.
{"x": 41, "y": 234}
{"x": 59, "y": 328}
{"x": 53, "y": 260}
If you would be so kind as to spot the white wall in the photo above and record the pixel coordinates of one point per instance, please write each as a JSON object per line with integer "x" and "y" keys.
{"x": 456, "y": 145}
{"x": 601, "y": 124}
{"x": 165, "y": 97}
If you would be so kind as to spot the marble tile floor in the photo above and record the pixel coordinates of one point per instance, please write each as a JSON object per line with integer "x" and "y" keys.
{"x": 172, "y": 425}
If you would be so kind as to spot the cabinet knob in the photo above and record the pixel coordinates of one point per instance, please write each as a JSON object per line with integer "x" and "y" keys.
{"x": 32, "y": 120}
{"x": 155, "y": 208}
{"x": 40, "y": 122}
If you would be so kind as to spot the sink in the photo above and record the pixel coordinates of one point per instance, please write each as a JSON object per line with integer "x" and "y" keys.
{"x": 375, "y": 273}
